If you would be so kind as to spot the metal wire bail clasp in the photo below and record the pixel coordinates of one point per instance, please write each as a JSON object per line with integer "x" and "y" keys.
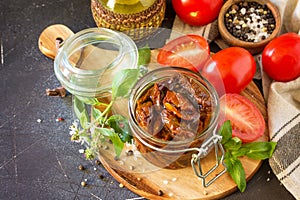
{"x": 213, "y": 142}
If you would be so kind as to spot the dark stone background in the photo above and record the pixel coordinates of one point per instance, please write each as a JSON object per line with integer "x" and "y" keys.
{"x": 37, "y": 160}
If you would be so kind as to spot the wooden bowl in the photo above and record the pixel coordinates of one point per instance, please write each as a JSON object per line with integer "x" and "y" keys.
{"x": 252, "y": 47}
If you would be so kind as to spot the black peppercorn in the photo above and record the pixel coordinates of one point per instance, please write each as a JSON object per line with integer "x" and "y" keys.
{"x": 249, "y": 21}
{"x": 160, "y": 193}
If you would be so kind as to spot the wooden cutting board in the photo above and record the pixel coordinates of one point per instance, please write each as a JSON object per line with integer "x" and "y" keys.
{"x": 145, "y": 179}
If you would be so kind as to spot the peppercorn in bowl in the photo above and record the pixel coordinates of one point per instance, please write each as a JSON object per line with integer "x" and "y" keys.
{"x": 250, "y": 24}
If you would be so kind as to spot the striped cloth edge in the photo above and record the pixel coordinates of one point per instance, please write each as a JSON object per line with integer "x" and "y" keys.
{"x": 284, "y": 128}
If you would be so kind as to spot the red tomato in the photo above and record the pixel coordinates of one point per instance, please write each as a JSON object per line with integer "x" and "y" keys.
{"x": 234, "y": 66}
{"x": 281, "y": 57}
{"x": 188, "y": 51}
{"x": 197, "y": 12}
{"x": 246, "y": 120}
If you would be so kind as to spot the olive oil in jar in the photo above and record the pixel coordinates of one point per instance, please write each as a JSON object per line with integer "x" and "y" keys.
{"x": 127, "y": 6}
{"x": 137, "y": 18}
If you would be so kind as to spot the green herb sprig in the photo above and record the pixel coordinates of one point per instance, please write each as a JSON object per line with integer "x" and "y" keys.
{"x": 234, "y": 148}
{"x": 105, "y": 126}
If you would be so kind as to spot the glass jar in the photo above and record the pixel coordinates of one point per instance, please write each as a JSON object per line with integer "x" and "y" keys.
{"x": 173, "y": 153}
{"x": 136, "y": 18}
{"x": 88, "y": 60}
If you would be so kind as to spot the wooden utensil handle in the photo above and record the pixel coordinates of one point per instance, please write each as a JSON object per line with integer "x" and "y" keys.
{"x": 51, "y": 37}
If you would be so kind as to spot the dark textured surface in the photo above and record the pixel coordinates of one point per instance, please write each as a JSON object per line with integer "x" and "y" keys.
{"x": 37, "y": 160}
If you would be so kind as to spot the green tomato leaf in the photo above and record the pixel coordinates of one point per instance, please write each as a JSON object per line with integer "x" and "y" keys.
{"x": 80, "y": 112}
{"x": 226, "y": 132}
{"x": 144, "y": 55}
{"x": 260, "y": 150}
{"x": 123, "y": 82}
{"x": 236, "y": 171}
{"x": 120, "y": 124}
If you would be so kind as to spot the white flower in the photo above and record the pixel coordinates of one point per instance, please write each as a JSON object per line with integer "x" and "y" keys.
{"x": 74, "y": 128}
{"x": 81, "y": 150}
{"x": 75, "y": 134}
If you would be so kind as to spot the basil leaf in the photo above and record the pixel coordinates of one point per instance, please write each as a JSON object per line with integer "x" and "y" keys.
{"x": 96, "y": 113}
{"x": 104, "y": 131}
{"x": 84, "y": 119}
{"x": 113, "y": 136}
{"x": 144, "y": 55}
{"x": 260, "y": 150}
{"x": 226, "y": 132}
{"x": 123, "y": 82}
{"x": 88, "y": 100}
{"x": 118, "y": 144}
{"x": 80, "y": 112}
{"x": 120, "y": 124}
{"x": 236, "y": 171}
{"x": 233, "y": 144}
{"x": 239, "y": 152}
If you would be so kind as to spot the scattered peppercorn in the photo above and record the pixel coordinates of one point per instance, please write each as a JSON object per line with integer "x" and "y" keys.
{"x": 83, "y": 183}
{"x": 80, "y": 167}
{"x": 97, "y": 162}
{"x": 160, "y": 193}
{"x": 100, "y": 176}
{"x": 116, "y": 158}
{"x": 129, "y": 153}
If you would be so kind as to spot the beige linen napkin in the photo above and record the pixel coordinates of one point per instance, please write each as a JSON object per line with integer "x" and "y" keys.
{"x": 210, "y": 31}
{"x": 284, "y": 128}
{"x": 290, "y": 14}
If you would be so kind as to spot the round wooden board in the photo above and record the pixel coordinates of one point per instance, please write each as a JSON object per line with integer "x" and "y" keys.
{"x": 148, "y": 181}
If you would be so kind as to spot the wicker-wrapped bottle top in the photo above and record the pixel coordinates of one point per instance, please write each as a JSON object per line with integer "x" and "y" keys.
{"x": 134, "y": 17}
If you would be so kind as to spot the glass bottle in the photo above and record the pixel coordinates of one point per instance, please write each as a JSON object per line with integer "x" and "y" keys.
{"x": 136, "y": 18}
